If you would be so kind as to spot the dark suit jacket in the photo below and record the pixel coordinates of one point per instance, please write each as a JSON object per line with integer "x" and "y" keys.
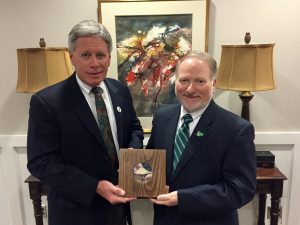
{"x": 66, "y": 150}
{"x": 216, "y": 173}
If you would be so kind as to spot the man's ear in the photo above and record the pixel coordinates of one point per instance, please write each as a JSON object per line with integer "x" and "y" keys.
{"x": 214, "y": 83}
{"x": 71, "y": 57}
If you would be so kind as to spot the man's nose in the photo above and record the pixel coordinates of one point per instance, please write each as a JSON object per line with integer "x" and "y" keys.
{"x": 190, "y": 87}
{"x": 94, "y": 61}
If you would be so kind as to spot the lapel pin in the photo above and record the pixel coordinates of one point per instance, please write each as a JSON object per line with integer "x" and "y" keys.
{"x": 199, "y": 134}
{"x": 119, "y": 109}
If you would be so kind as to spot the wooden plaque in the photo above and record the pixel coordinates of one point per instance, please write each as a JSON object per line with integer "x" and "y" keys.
{"x": 142, "y": 172}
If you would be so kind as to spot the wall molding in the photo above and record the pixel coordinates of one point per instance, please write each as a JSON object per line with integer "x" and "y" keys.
{"x": 13, "y": 149}
{"x": 13, "y": 181}
{"x": 288, "y": 140}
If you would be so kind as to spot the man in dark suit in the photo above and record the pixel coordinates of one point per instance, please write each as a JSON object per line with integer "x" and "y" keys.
{"x": 216, "y": 172}
{"x": 66, "y": 148}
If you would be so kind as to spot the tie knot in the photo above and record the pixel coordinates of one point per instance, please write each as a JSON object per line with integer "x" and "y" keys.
{"x": 97, "y": 90}
{"x": 187, "y": 118}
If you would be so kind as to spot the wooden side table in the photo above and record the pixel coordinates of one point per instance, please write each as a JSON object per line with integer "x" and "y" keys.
{"x": 269, "y": 181}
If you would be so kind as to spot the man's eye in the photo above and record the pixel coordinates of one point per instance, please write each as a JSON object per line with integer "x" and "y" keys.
{"x": 201, "y": 82}
{"x": 100, "y": 56}
{"x": 85, "y": 55}
{"x": 184, "y": 81}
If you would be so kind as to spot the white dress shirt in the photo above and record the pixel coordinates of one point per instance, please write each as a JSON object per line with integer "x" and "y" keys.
{"x": 90, "y": 98}
{"x": 195, "y": 115}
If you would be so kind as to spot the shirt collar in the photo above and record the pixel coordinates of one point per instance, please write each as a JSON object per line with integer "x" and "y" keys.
{"x": 197, "y": 114}
{"x": 87, "y": 88}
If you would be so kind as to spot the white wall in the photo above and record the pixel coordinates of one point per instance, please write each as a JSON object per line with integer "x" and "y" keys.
{"x": 22, "y": 23}
{"x": 268, "y": 22}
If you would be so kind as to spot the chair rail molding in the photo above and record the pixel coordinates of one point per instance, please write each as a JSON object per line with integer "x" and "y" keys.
{"x": 16, "y": 206}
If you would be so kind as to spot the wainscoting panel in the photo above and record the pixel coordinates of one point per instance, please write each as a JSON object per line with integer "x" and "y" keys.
{"x": 3, "y": 193}
{"x": 286, "y": 148}
{"x": 16, "y": 206}
{"x": 19, "y": 209}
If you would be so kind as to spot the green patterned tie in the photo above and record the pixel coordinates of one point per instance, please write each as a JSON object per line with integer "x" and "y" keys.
{"x": 105, "y": 129}
{"x": 182, "y": 137}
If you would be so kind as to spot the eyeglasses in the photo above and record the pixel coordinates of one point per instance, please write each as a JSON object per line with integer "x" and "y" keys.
{"x": 197, "y": 83}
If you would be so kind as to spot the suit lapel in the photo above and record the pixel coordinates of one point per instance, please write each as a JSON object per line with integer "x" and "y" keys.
{"x": 85, "y": 115}
{"x": 83, "y": 111}
{"x": 171, "y": 128}
{"x": 198, "y": 137}
{"x": 117, "y": 104}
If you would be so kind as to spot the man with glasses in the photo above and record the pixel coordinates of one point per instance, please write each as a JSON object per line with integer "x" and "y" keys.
{"x": 211, "y": 167}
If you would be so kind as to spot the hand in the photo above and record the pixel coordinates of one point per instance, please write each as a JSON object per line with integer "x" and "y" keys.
{"x": 112, "y": 193}
{"x": 169, "y": 199}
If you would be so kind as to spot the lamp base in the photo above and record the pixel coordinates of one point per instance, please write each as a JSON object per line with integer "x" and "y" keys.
{"x": 246, "y": 97}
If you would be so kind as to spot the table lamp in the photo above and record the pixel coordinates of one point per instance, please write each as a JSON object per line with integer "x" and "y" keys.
{"x": 246, "y": 68}
{"x": 41, "y": 67}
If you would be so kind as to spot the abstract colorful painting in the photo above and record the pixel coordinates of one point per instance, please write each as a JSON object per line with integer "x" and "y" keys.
{"x": 148, "y": 48}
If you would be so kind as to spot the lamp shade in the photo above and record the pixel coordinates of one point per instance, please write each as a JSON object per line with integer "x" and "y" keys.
{"x": 41, "y": 67}
{"x": 246, "y": 67}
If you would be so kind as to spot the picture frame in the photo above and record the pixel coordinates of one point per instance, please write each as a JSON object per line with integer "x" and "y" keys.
{"x": 110, "y": 10}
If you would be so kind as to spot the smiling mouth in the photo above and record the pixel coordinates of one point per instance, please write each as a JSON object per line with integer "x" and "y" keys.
{"x": 192, "y": 97}
{"x": 94, "y": 73}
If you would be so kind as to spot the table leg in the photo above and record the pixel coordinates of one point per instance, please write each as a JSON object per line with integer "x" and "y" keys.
{"x": 276, "y": 194}
{"x": 275, "y": 210}
{"x": 35, "y": 190}
{"x": 262, "y": 209}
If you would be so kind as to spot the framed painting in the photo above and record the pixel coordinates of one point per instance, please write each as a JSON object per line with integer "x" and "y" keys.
{"x": 148, "y": 39}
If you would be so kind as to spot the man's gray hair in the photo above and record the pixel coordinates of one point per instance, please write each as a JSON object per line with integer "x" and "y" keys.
{"x": 88, "y": 28}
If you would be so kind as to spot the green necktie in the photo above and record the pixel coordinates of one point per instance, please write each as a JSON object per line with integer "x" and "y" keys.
{"x": 105, "y": 129}
{"x": 181, "y": 139}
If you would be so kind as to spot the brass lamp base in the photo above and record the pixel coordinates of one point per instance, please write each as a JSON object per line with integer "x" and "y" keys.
{"x": 246, "y": 97}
